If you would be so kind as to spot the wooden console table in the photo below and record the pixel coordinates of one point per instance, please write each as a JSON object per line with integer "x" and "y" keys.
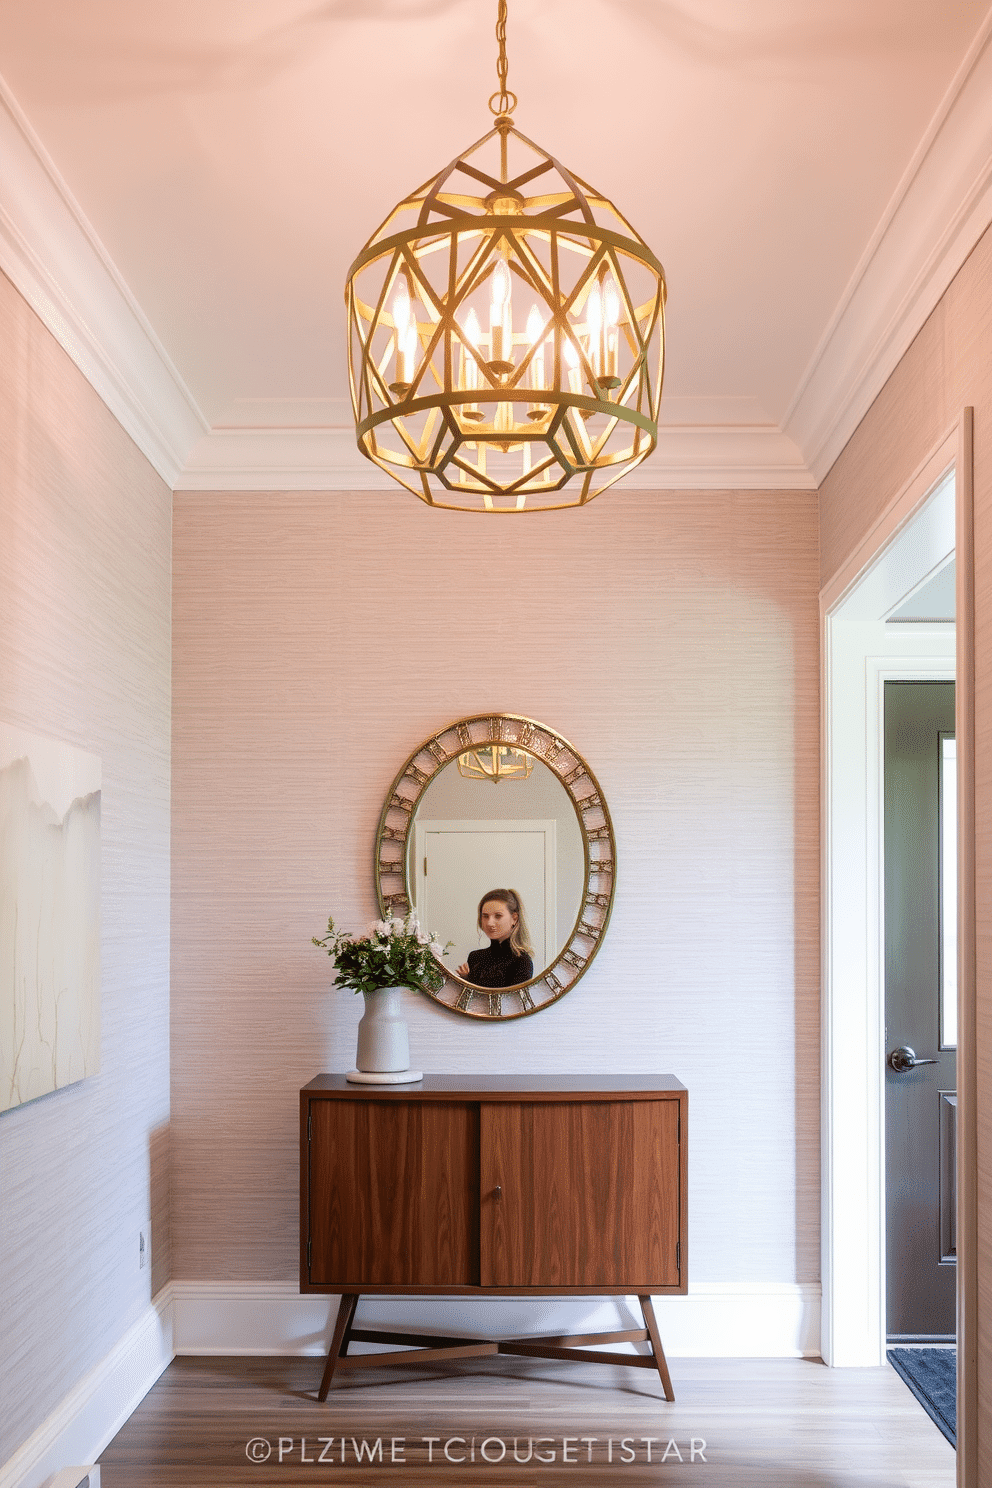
{"x": 511, "y": 1185}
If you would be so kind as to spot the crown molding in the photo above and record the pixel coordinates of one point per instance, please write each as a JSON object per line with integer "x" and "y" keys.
{"x": 54, "y": 259}
{"x": 723, "y": 456}
{"x": 937, "y": 214}
{"x": 704, "y": 457}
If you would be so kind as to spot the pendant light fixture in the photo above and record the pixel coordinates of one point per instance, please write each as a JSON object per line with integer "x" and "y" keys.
{"x": 506, "y": 331}
{"x": 496, "y": 762}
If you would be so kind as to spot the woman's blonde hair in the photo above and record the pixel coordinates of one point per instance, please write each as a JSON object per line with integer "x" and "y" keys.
{"x": 519, "y": 936}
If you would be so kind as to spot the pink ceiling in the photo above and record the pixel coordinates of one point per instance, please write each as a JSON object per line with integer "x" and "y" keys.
{"x": 233, "y": 156}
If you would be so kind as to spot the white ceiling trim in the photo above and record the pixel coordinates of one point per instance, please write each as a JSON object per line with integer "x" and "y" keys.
{"x": 936, "y": 215}
{"x": 707, "y": 457}
{"x": 51, "y": 254}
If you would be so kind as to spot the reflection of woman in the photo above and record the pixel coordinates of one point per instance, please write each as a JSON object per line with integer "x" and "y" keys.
{"x": 506, "y": 961}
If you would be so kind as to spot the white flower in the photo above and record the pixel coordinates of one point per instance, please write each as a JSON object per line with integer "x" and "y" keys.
{"x": 380, "y": 927}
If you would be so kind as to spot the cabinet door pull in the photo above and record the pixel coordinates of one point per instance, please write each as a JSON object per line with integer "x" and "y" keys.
{"x": 498, "y": 1191}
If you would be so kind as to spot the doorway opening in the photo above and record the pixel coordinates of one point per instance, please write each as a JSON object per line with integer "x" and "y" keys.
{"x": 871, "y": 636}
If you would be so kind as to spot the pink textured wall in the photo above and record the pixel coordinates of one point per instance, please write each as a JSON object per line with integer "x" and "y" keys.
{"x": 318, "y": 638}
{"x": 85, "y": 658}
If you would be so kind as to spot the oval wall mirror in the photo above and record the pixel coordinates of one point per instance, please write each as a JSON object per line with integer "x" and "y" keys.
{"x": 499, "y": 801}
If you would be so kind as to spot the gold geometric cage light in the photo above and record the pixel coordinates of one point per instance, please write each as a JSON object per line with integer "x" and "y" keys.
{"x": 496, "y": 762}
{"x": 506, "y": 332}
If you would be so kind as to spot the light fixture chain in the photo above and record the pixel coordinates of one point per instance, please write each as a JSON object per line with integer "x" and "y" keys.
{"x": 502, "y": 64}
{"x": 502, "y": 98}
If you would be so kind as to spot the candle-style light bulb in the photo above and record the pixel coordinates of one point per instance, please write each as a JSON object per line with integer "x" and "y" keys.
{"x": 405, "y": 345}
{"x": 611, "y": 315}
{"x": 501, "y": 286}
{"x": 500, "y": 313}
{"x": 594, "y": 322}
{"x": 594, "y": 309}
{"x": 611, "y": 303}
{"x": 472, "y": 333}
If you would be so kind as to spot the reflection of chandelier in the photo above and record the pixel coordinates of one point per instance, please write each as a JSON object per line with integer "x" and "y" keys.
{"x": 503, "y": 344}
{"x": 495, "y": 762}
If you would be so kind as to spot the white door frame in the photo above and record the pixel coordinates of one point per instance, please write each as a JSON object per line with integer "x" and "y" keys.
{"x": 852, "y": 1328}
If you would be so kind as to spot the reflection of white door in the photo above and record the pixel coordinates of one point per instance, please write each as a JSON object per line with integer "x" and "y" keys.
{"x": 458, "y": 861}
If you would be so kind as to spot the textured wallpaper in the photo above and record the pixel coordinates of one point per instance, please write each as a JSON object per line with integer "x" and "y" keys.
{"x": 318, "y": 639}
{"x": 84, "y": 660}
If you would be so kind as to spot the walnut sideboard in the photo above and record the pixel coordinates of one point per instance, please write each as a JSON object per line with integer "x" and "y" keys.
{"x": 512, "y": 1185}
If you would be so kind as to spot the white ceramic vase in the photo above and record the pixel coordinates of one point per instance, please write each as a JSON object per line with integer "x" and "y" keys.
{"x": 383, "y": 1038}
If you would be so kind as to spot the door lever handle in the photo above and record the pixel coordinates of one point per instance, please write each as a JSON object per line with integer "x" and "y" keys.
{"x": 905, "y": 1059}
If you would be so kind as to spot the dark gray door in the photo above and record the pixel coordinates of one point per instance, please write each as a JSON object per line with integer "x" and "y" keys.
{"x": 919, "y": 1100}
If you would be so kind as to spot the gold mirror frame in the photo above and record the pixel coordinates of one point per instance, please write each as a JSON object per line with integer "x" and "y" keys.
{"x": 599, "y": 849}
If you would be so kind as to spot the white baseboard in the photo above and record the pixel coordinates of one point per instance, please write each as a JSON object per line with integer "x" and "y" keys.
{"x": 716, "y": 1320}
{"x": 96, "y": 1408}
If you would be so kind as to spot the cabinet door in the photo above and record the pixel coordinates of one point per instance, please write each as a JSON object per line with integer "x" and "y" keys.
{"x": 588, "y": 1194}
{"x": 394, "y": 1193}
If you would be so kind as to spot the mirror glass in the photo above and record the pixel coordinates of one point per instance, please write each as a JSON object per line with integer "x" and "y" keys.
{"x": 472, "y": 833}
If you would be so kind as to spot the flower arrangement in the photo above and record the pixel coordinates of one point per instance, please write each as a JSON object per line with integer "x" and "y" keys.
{"x": 395, "y": 953}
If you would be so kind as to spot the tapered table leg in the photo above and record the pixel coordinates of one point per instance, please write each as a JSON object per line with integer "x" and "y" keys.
{"x": 651, "y": 1323}
{"x": 342, "y": 1327}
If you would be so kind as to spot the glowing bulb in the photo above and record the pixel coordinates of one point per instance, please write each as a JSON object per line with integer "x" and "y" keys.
{"x": 401, "y": 309}
{"x": 500, "y": 314}
{"x": 406, "y": 335}
{"x": 574, "y": 371}
{"x": 473, "y": 330}
{"x": 501, "y": 285}
{"x": 535, "y": 325}
{"x": 594, "y": 322}
{"x": 611, "y": 314}
{"x": 594, "y": 311}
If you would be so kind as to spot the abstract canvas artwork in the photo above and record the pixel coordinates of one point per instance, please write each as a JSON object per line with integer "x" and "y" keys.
{"x": 49, "y": 915}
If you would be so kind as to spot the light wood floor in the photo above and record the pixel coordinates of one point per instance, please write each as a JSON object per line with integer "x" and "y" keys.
{"x": 767, "y": 1423}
